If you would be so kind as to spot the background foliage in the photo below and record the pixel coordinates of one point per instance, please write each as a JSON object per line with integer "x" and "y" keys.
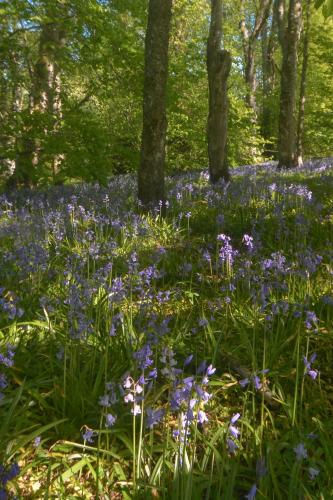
{"x": 101, "y": 67}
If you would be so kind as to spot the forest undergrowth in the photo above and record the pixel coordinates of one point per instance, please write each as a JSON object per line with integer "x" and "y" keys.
{"x": 179, "y": 357}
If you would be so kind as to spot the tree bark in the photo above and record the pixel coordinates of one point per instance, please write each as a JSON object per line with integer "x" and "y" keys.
{"x": 302, "y": 94}
{"x": 152, "y": 162}
{"x": 289, "y": 37}
{"x": 268, "y": 47}
{"x": 47, "y": 86}
{"x": 218, "y": 69}
{"x": 44, "y": 102}
{"x": 249, "y": 43}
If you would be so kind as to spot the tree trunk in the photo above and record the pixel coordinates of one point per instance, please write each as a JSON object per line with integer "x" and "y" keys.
{"x": 268, "y": 47}
{"x": 152, "y": 163}
{"x": 47, "y": 87}
{"x": 249, "y": 43}
{"x": 249, "y": 68}
{"x": 287, "y": 122}
{"x": 218, "y": 69}
{"x": 301, "y": 105}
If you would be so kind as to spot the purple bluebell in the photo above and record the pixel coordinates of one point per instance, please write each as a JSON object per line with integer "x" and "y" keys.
{"x": 234, "y": 431}
{"x": 202, "y": 417}
{"x": 313, "y": 373}
{"x": 7, "y": 359}
{"x": 261, "y": 469}
{"x": 311, "y": 321}
{"x": 232, "y": 446}
{"x": 234, "y": 418}
{"x": 313, "y": 472}
{"x": 37, "y": 441}
{"x": 203, "y": 322}
{"x": 153, "y": 373}
{"x": 252, "y": 493}
{"x": 104, "y": 401}
{"x": 3, "y": 381}
{"x": 244, "y": 382}
{"x": 88, "y": 435}
{"x": 248, "y": 242}
{"x": 143, "y": 357}
{"x": 110, "y": 420}
{"x": 153, "y": 417}
{"x": 188, "y": 360}
{"x": 300, "y": 451}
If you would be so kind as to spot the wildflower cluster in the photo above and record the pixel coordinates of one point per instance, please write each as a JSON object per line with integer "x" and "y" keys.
{"x": 241, "y": 270}
{"x": 6, "y": 475}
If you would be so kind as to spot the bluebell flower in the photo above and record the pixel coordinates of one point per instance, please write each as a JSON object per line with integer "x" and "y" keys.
{"x": 37, "y": 441}
{"x": 312, "y": 435}
{"x": 235, "y": 417}
{"x": 248, "y": 242}
{"x": 110, "y": 420}
{"x": 105, "y": 401}
{"x": 252, "y": 493}
{"x": 202, "y": 417}
{"x": 188, "y": 360}
{"x": 232, "y": 446}
{"x": 244, "y": 382}
{"x": 313, "y": 472}
{"x": 308, "y": 368}
{"x": 202, "y": 367}
{"x": 136, "y": 409}
{"x": 89, "y": 435}
{"x": 300, "y": 451}
{"x": 153, "y": 417}
{"x": 3, "y": 381}
{"x": 210, "y": 370}
{"x": 311, "y": 321}
{"x": 220, "y": 220}
{"x": 234, "y": 431}
{"x": 261, "y": 469}
{"x": 8, "y": 358}
{"x": 153, "y": 373}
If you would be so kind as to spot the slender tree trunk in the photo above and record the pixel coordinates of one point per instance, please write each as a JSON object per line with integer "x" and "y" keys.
{"x": 287, "y": 121}
{"x": 301, "y": 105}
{"x": 44, "y": 105}
{"x": 152, "y": 163}
{"x": 218, "y": 69}
{"x": 249, "y": 68}
{"x": 47, "y": 88}
{"x": 21, "y": 142}
{"x": 268, "y": 47}
{"x": 249, "y": 45}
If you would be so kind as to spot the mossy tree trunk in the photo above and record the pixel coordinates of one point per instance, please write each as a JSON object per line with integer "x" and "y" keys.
{"x": 288, "y": 36}
{"x": 218, "y": 69}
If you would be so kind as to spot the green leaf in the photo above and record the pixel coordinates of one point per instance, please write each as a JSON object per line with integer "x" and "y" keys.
{"x": 24, "y": 440}
{"x": 76, "y": 468}
{"x": 328, "y": 8}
